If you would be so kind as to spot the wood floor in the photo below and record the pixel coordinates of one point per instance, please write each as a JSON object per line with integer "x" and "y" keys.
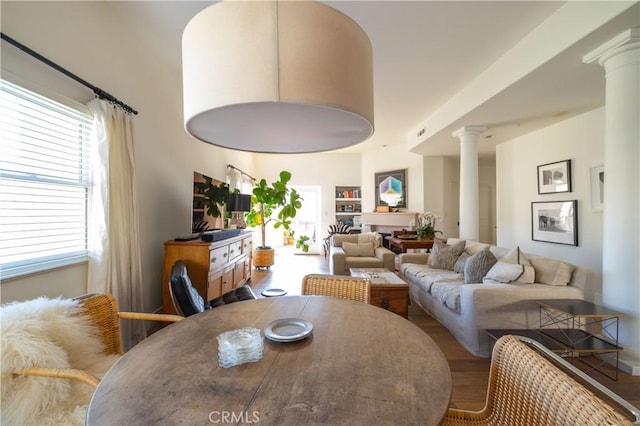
{"x": 469, "y": 373}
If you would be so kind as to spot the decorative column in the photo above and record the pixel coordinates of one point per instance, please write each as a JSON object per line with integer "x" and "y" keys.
{"x": 469, "y": 199}
{"x": 620, "y": 58}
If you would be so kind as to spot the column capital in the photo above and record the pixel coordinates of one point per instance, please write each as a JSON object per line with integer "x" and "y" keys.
{"x": 468, "y": 130}
{"x": 627, "y": 40}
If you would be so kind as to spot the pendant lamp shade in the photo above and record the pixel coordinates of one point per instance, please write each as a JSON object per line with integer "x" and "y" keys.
{"x": 277, "y": 77}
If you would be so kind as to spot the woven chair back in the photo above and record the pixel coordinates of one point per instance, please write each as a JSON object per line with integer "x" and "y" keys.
{"x": 102, "y": 311}
{"x": 358, "y": 289}
{"x": 527, "y": 389}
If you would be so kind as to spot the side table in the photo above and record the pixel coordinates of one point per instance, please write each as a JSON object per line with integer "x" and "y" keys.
{"x": 583, "y": 328}
{"x": 388, "y": 290}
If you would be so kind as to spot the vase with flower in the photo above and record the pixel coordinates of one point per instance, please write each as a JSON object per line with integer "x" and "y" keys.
{"x": 426, "y": 226}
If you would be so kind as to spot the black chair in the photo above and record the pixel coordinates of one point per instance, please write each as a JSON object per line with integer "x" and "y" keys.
{"x": 186, "y": 299}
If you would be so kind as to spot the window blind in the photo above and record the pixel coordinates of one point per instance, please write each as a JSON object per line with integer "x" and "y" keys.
{"x": 44, "y": 182}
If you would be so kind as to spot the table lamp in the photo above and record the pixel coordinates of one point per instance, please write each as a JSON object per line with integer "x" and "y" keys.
{"x": 238, "y": 204}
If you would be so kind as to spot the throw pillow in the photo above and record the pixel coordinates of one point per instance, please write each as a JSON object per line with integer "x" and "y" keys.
{"x": 504, "y": 272}
{"x": 370, "y": 237}
{"x": 444, "y": 256}
{"x": 477, "y": 266}
{"x": 552, "y": 272}
{"x": 358, "y": 249}
{"x": 515, "y": 256}
{"x": 459, "y": 265}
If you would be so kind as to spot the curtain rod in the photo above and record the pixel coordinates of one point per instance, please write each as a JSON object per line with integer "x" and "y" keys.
{"x": 101, "y": 94}
{"x": 241, "y": 172}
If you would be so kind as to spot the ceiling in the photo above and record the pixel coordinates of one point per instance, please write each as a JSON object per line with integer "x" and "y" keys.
{"x": 426, "y": 52}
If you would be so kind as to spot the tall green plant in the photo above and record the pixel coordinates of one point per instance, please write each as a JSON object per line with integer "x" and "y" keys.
{"x": 275, "y": 203}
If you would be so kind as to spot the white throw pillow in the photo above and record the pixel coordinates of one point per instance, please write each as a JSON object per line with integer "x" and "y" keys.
{"x": 517, "y": 257}
{"x": 504, "y": 272}
{"x": 358, "y": 249}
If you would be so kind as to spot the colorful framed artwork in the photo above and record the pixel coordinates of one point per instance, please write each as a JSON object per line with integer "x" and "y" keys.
{"x": 391, "y": 189}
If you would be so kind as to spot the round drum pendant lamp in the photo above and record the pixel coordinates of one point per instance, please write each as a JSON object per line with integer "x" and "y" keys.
{"x": 277, "y": 77}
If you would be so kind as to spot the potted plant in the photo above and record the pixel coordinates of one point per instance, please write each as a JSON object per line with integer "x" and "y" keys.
{"x": 427, "y": 226}
{"x": 277, "y": 204}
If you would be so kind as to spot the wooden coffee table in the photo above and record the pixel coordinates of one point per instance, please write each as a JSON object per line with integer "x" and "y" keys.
{"x": 388, "y": 290}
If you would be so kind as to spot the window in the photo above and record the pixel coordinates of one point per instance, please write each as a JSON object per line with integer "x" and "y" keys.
{"x": 44, "y": 182}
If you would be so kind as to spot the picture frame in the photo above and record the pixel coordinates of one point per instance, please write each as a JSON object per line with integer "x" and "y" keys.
{"x": 555, "y": 222}
{"x": 554, "y": 177}
{"x": 391, "y": 189}
{"x": 597, "y": 188}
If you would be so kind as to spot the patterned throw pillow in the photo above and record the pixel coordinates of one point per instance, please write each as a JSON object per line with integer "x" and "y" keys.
{"x": 444, "y": 256}
{"x": 459, "y": 265}
{"x": 477, "y": 266}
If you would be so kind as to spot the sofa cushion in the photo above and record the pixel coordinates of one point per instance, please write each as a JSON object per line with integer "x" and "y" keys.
{"x": 444, "y": 256}
{"x": 364, "y": 262}
{"x": 477, "y": 266}
{"x": 459, "y": 265}
{"x": 358, "y": 249}
{"x": 424, "y": 276}
{"x": 448, "y": 294}
{"x": 552, "y": 272}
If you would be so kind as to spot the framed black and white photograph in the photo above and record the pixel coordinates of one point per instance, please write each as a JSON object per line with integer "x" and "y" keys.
{"x": 555, "y": 222}
{"x": 554, "y": 177}
{"x": 597, "y": 188}
{"x": 391, "y": 189}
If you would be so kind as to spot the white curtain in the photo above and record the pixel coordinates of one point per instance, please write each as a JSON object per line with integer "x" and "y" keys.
{"x": 114, "y": 242}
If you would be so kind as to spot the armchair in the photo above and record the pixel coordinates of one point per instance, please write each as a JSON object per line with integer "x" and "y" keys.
{"x": 359, "y": 251}
{"x": 54, "y": 352}
{"x": 333, "y": 229}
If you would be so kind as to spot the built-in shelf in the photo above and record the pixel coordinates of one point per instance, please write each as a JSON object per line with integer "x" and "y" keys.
{"x": 349, "y": 206}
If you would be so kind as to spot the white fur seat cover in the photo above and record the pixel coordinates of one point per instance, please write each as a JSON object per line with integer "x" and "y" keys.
{"x": 47, "y": 333}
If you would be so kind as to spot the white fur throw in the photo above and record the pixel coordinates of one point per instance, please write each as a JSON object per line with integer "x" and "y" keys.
{"x": 47, "y": 333}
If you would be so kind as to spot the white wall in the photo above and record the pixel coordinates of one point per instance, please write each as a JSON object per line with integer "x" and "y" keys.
{"x": 90, "y": 41}
{"x": 579, "y": 139}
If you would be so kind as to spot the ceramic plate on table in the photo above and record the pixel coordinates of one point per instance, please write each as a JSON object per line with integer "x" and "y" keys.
{"x": 288, "y": 330}
{"x": 273, "y": 292}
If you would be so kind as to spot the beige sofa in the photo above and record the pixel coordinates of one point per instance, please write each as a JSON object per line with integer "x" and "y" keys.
{"x": 358, "y": 251}
{"x": 467, "y": 310}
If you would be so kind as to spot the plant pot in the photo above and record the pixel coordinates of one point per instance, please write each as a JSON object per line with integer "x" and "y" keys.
{"x": 263, "y": 257}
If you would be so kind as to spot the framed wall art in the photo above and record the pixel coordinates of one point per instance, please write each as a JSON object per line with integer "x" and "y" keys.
{"x": 391, "y": 189}
{"x": 597, "y": 188}
{"x": 555, "y": 222}
{"x": 554, "y": 177}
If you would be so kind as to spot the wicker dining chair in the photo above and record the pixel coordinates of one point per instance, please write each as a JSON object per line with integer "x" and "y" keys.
{"x": 525, "y": 388}
{"x": 101, "y": 309}
{"x": 343, "y": 286}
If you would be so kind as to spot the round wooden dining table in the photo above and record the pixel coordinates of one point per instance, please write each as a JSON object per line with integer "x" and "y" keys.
{"x": 362, "y": 365}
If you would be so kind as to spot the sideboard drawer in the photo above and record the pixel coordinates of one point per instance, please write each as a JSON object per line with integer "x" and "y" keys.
{"x": 219, "y": 257}
{"x": 235, "y": 250}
